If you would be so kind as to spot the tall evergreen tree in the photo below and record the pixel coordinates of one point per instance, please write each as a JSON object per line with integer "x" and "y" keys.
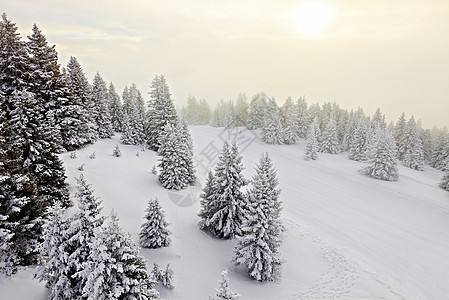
{"x": 161, "y": 111}
{"x": 46, "y": 83}
{"x": 101, "y": 114}
{"x": 440, "y": 156}
{"x": 208, "y": 201}
{"x": 329, "y": 140}
{"x": 80, "y": 90}
{"x": 224, "y": 211}
{"x": 115, "y": 270}
{"x": 186, "y": 141}
{"x": 411, "y": 147}
{"x": 383, "y": 165}
{"x": 399, "y": 136}
{"x": 272, "y": 131}
{"x": 241, "y": 110}
{"x": 154, "y": 232}
{"x": 172, "y": 159}
{"x": 290, "y": 122}
{"x": 359, "y": 144}
{"x": 80, "y": 237}
{"x": 258, "y": 249}
{"x": 223, "y": 292}
{"x": 304, "y": 119}
{"x": 256, "y": 111}
{"x": 115, "y": 109}
{"x": 51, "y": 257}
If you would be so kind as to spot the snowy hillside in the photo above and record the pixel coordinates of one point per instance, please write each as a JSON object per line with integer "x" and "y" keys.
{"x": 348, "y": 236}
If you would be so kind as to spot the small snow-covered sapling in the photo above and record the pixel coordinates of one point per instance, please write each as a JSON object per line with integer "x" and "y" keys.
{"x": 81, "y": 168}
{"x": 92, "y": 156}
{"x": 73, "y": 154}
{"x": 116, "y": 152}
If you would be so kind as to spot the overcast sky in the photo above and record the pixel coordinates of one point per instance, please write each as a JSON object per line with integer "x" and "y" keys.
{"x": 392, "y": 54}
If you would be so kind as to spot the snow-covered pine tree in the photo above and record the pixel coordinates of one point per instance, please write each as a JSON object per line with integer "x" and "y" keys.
{"x": 350, "y": 128}
{"x": 80, "y": 237}
{"x": 72, "y": 119}
{"x": 172, "y": 159}
{"x": 383, "y": 164}
{"x": 161, "y": 111}
{"x": 102, "y": 113}
{"x": 115, "y": 108}
{"x": 14, "y": 62}
{"x": 208, "y": 201}
{"x": 329, "y": 140}
{"x": 312, "y": 142}
{"x": 303, "y": 118}
{"x": 440, "y": 156}
{"x": 115, "y": 269}
{"x": 359, "y": 144}
{"x": 133, "y": 132}
{"x": 156, "y": 272}
{"x": 256, "y": 111}
{"x": 52, "y": 259}
{"x": 427, "y": 141}
{"x": 46, "y": 84}
{"x": 154, "y": 232}
{"x": 411, "y": 147}
{"x": 445, "y": 180}
{"x": 223, "y": 292}
{"x": 379, "y": 119}
{"x": 80, "y": 90}
{"x": 223, "y": 211}
{"x": 272, "y": 131}
{"x": 258, "y": 249}
{"x": 229, "y": 116}
{"x": 186, "y": 141}
{"x": 290, "y": 122}
{"x": 399, "y": 135}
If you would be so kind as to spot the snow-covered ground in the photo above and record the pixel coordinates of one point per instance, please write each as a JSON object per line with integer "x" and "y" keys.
{"x": 348, "y": 236}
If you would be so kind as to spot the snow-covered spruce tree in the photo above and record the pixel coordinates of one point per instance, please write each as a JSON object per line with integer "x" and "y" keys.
{"x": 290, "y": 122}
{"x": 359, "y": 144}
{"x": 256, "y": 111}
{"x": 229, "y": 116}
{"x": 102, "y": 113}
{"x": 186, "y": 141}
{"x": 46, "y": 83}
{"x": 115, "y": 108}
{"x": 154, "y": 232}
{"x": 52, "y": 260}
{"x": 72, "y": 119}
{"x": 440, "y": 156}
{"x": 348, "y": 135}
{"x": 223, "y": 211}
{"x": 161, "y": 111}
{"x": 133, "y": 132}
{"x": 176, "y": 158}
{"x": 80, "y": 91}
{"x": 379, "y": 119}
{"x": 14, "y": 62}
{"x": 383, "y": 165}
{"x": 411, "y": 147}
{"x": 80, "y": 237}
{"x": 329, "y": 140}
{"x": 427, "y": 141}
{"x": 223, "y": 292}
{"x": 39, "y": 152}
{"x": 399, "y": 135}
{"x": 312, "y": 142}
{"x": 303, "y": 118}
{"x": 445, "y": 180}
{"x": 115, "y": 270}
{"x": 272, "y": 131}
{"x": 258, "y": 249}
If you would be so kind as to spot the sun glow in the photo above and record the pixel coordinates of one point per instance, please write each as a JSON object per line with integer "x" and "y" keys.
{"x": 312, "y": 17}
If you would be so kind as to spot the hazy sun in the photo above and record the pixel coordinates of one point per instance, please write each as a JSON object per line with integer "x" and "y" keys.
{"x": 312, "y": 17}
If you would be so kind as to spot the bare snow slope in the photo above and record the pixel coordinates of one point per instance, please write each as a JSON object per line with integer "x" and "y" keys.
{"x": 348, "y": 236}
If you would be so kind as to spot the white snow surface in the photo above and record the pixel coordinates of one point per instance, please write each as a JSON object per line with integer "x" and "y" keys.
{"x": 348, "y": 236}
